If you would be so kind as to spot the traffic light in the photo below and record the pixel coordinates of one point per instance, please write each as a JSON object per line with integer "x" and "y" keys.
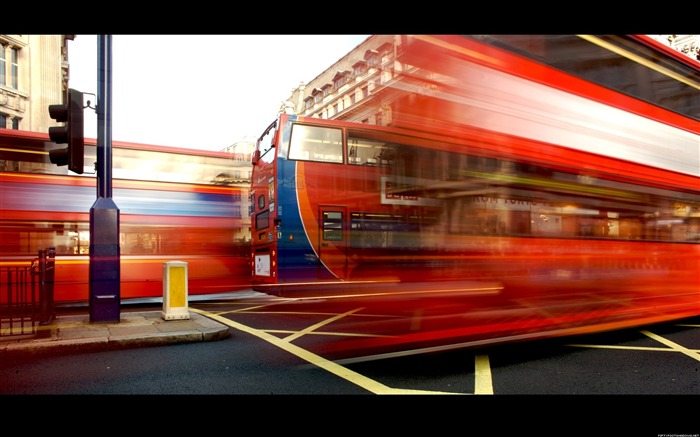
{"x": 71, "y": 133}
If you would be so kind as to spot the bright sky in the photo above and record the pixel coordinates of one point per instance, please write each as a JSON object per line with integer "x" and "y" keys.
{"x": 200, "y": 91}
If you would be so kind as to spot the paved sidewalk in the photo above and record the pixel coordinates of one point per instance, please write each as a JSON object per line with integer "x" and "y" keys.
{"x": 67, "y": 333}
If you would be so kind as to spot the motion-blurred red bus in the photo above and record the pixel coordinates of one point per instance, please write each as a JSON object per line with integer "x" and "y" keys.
{"x": 559, "y": 169}
{"x": 174, "y": 204}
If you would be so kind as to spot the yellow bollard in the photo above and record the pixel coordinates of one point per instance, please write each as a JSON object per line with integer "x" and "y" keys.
{"x": 175, "y": 291}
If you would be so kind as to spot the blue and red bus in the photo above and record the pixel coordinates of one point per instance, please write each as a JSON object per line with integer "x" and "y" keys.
{"x": 174, "y": 204}
{"x": 552, "y": 168}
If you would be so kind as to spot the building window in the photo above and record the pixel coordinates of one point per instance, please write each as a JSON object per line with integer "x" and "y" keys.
{"x": 327, "y": 89}
{"x": 2, "y": 65}
{"x": 365, "y": 92}
{"x": 15, "y": 68}
{"x": 385, "y": 50}
{"x": 3, "y": 121}
{"x": 372, "y": 58}
{"x": 15, "y": 123}
{"x": 359, "y": 68}
{"x": 340, "y": 79}
{"x": 317, "y": 95}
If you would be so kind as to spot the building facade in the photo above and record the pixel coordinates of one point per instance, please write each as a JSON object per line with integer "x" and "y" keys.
{"x": 34, "y": 73}
{"x": 362, "y": 85}
{"x": 356, "y": 88}
{"x": 686, "y": 44}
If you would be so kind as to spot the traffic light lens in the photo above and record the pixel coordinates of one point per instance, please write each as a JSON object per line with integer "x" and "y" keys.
{"x": 59, "y": 134}
{"x": 58, "y": 112}
{"x": 59, "y": 156}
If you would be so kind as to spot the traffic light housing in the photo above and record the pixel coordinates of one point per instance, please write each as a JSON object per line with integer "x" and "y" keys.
{"x": 71, "y": 133}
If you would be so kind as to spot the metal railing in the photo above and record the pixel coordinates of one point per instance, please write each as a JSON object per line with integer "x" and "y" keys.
{"x": 26, "y": 295}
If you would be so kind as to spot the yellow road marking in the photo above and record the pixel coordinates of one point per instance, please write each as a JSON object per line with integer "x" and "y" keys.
{"x": 336, "y": 369}
{"x": 674, "y": 346}
{"x": 483, "y": 383}
{"x": 318, "y": 325}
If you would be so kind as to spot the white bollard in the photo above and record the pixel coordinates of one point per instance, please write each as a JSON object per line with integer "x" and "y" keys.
{"x": 175, "y": 291}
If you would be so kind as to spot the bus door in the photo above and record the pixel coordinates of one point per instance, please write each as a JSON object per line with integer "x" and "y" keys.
{"x": 333, "y": 237}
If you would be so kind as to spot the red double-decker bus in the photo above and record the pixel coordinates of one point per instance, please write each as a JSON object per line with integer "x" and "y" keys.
{"x": 558, "y": 169}
{"x": 174, "y": 205}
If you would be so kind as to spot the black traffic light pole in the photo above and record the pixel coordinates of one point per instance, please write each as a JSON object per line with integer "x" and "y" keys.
{"x": 105, "y": 270}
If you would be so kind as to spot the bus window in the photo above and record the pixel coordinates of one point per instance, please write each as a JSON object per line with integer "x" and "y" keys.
{"x": 262, "y": 220}
{"x": 312, "y": 143}
{"x": 265, "y": 144}
{"x": 368, "y": 152}
{"x": 332, "y": 225}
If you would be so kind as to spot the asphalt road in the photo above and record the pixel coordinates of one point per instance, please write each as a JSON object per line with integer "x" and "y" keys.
{"x": 654, "y": 368}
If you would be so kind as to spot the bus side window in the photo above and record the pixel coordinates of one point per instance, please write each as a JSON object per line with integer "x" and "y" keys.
{"x": 264, "y": 145}
{"x": 316, "y": 144}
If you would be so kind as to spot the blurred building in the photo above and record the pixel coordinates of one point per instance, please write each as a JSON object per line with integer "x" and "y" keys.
{"x": 356, "y": 88}
{"x": 34, "y": 73}
{"x": 686, "y": 44}
{"x": 362, "y": 85}
{"x": 241, "y": 152}
{"x": 242, "y": 149}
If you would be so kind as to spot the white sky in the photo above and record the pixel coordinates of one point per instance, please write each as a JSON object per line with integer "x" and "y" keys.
{"x": 200, "y": 91}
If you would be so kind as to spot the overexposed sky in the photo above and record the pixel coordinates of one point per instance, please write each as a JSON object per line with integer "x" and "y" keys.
{"x": 200, "y": 91}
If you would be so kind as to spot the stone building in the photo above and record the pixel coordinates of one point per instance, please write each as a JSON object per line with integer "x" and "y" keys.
{"x": 361, "y": 86}
{"x": 34, "y": 73}
{"x": 355, "y": 88}
{"x": 686, "y": 44}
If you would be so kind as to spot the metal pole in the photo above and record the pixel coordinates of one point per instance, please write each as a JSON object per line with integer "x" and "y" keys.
{"x": 104, "y": 119}
{"x": 105, "y": 272}
{"x": 44, "y": 317}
